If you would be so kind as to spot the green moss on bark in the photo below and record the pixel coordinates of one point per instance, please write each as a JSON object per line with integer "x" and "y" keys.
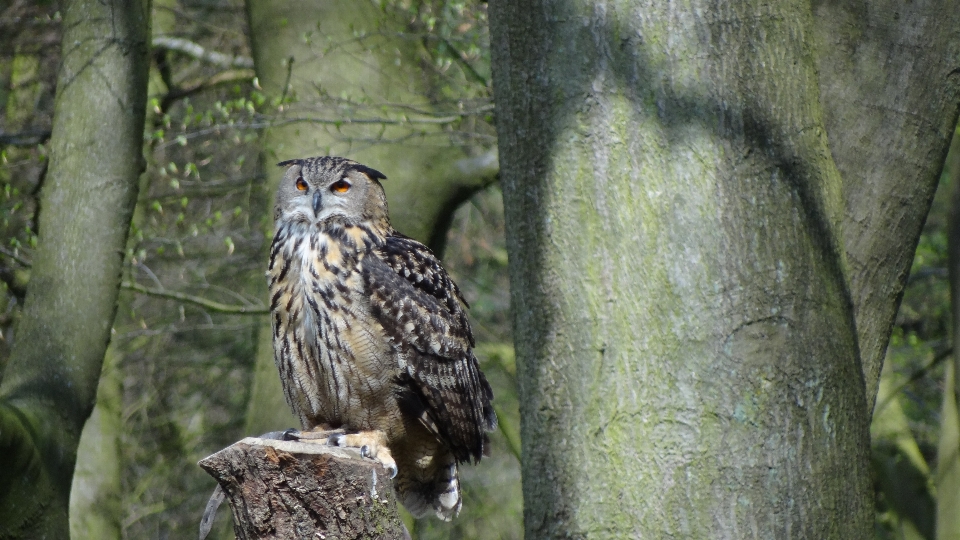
{"x": 673, "y": 229}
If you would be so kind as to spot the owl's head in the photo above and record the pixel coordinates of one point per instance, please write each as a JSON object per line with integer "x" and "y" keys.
{"x": 331, "y": 189}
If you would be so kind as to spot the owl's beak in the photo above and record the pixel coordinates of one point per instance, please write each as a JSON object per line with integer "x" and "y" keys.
{"x": 316, "y": 202}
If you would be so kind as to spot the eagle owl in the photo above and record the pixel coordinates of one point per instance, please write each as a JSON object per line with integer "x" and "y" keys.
{"x": 370, "y": 334}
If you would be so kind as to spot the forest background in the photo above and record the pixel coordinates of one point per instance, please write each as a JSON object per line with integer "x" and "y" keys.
{"x": 404, "y": 87}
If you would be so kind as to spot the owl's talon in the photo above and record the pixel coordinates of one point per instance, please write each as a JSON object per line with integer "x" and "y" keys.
{"x": 290, "y": 434}
{"x": 372, "y": 445}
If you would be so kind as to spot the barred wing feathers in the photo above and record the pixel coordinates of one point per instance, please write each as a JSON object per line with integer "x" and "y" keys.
{"x": 422, "y": 311}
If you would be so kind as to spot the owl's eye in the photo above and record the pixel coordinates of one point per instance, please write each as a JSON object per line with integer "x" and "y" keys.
{"x": 302, "y": 185}
{"x": 340, "y": 187}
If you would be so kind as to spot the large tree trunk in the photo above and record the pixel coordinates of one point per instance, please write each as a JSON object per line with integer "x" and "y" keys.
{"x": 50, "y": 383}
{"x": 687, "y": 324}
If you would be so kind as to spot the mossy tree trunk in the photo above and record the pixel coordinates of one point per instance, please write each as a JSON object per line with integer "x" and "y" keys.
{"x": 711, "y": 212}
{"x": 49, "y": 386}
{"x": 322, "y": 55}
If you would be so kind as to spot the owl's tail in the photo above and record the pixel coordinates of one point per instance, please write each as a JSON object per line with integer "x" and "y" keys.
{"x": 440, "y": 495}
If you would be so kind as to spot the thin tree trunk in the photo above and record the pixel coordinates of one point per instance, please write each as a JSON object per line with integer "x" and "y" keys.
{"x": 96, "y": 493}
{"x": 49, "y": 386}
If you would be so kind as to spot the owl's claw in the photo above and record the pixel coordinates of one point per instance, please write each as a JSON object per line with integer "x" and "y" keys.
{"x": 372, "y": 444}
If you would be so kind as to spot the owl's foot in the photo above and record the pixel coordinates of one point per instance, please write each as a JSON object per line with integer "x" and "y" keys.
{"x": 372, "y": 444}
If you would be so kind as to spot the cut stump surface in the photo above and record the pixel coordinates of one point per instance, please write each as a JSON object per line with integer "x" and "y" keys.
{"x": 287, "y": 490}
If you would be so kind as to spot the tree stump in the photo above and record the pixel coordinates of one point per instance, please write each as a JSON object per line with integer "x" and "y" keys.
{"x": 287, "y": 489}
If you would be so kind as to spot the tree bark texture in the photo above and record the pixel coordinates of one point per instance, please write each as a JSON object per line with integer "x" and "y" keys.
{"x": 890, "y": 88}
{"x": 96, "y": 492}
{"x": 288, "y": 490}
{"x": 50, "y": 383}
{"x": 686, "y": 319}
{"x": 301, "y": 48}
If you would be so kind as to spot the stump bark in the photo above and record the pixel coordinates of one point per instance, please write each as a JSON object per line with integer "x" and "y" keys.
{"x": 287, "y": 489}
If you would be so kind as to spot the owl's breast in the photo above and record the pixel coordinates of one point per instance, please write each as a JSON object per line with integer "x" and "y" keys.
{"x": 334, "y": 360}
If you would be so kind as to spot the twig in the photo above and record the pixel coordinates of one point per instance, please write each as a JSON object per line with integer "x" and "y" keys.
{"x": 193, "y": 87}
{"x": 28, "y": 137}
{"x": 338, "y": 122}
{"x": 461, "y": 59}
{"x": 940, "y": 357}
{"x": 13, "y": 255}
{"x": 196, "y": 300}
{"x": 197, "y": 51}
{"x": 926, "y": 272}
{"x": 286, "y": 84}
{"x": 512, "y": 443}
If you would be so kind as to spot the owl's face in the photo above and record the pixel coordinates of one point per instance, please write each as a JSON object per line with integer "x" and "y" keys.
{"x": 330, "y": 189}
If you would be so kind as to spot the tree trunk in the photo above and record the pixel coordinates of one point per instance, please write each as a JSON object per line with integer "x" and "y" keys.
{"x": 96, "y": 495}
{"x": 687, "y": 325}
{"x": 890, "y": 85}
{"x": 50, "y": 383}
{"x": 288, "y": 490}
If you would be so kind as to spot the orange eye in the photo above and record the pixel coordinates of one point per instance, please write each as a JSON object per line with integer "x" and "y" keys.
{"x": 340, "y": 187}
{"x": 302, "y": 185}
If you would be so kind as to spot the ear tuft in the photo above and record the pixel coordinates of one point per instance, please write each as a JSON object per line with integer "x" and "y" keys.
{"x": 290, "y": 162}
{"x": 372, "y": 173}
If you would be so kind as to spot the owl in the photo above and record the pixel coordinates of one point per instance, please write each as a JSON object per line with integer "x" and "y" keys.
{"x": 370, "y": 334}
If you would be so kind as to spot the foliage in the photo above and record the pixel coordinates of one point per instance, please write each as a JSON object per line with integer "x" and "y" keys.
{"x": 29, "y": 55}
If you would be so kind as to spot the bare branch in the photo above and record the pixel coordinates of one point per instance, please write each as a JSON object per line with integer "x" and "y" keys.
{"x": 27, "y": 137}
{"x": 195, "y": 300}
{"x": 197, "y": 51}
{"x": 193, "y": 87}
{"x": 15, "y": 256}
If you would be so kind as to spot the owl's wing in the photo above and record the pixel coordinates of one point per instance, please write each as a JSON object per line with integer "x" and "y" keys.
{"x": 423, "y": 314}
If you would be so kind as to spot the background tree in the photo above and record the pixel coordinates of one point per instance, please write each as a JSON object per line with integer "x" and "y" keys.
{"x": 50, "y": 380}
{"x": 721, "y": 213}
